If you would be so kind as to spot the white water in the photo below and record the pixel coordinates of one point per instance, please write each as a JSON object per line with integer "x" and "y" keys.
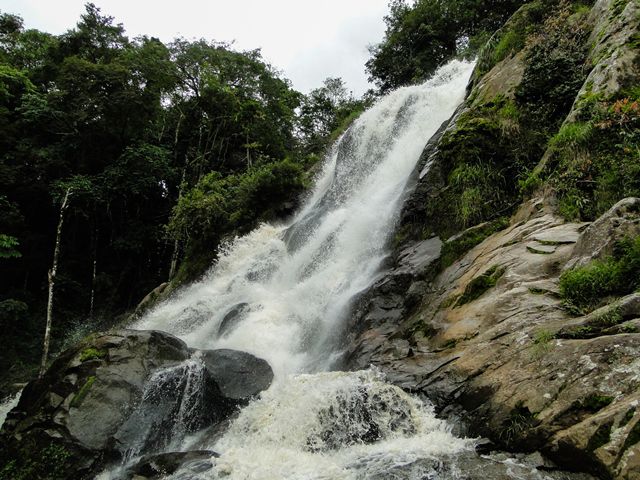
{"x": 7, "y": 405}
{"x": 298, "y": 279}
{"x": 291, "y": 287}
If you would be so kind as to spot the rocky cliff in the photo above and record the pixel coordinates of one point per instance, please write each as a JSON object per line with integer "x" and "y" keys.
{"x": 500, "y": 302}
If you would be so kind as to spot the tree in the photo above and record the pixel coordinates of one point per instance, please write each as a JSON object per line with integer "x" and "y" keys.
{"x": 323, "y": 111}
{"x": 421, "y": 37}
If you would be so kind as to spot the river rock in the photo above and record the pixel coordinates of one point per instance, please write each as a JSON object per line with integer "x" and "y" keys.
{"x": 239, "y": 375}
{"x": 153, "y": 467}
{"x": 121, "y": 394}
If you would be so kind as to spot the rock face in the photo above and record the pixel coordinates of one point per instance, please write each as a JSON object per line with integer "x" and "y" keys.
{"x": 118, "y": 395}
{"x": 507, "y": 362}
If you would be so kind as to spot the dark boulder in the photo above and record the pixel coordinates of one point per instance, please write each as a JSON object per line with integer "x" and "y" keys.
{"x": 239, "y": 375}
{"x": 154, "y": 467}
{"x": 116, "y": 396}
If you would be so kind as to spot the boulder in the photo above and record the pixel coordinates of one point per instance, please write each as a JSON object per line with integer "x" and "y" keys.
{"x": 122, "y": 394}
{"x": 239, "y": 375}
{"x": 599, "y": 239}
{"x": 154, "y": 467}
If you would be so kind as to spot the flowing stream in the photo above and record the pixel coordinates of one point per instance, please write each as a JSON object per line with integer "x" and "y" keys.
{"x": 283, "y": 293}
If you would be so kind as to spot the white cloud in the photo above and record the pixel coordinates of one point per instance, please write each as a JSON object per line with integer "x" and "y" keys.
{"x": 307, "y": 40}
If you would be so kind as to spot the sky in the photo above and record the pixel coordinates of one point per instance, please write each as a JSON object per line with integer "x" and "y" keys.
{"x": 308, "y": 40}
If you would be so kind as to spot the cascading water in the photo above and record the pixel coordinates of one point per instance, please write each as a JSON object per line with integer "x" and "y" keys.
{"x": 283, "y": 293}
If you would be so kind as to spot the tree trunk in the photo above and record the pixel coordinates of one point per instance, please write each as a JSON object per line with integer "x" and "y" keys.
{"x": 52, "y": 281}
{"x": 176, "y": 243}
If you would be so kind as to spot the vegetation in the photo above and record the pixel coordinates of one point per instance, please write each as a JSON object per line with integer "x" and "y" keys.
{"x": 422, "y": 36}
{"x": 597, "y": 157}
{"x": 148, "y": 139}
{"x": 455, "y": 247}
{"x": 48, "y": 463}
{"x": 92, "y": 354}
{"x": 587, "y": 287}
{"x": 480, "y": 284}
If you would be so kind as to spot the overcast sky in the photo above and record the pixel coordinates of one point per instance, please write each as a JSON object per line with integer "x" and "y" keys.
{"x": 308, "y": 40}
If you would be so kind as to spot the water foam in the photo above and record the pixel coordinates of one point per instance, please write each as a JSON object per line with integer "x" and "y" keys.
{"x": 288, "y": 288}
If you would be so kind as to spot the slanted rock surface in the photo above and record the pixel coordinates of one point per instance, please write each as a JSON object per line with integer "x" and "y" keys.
{"x": 506, "y": 362}
{"x": 125, "y": 393}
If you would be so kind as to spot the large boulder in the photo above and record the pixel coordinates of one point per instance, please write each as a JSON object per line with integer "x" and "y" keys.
{"x": 120, "y": 395}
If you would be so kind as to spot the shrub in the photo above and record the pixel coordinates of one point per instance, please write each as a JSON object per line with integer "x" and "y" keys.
{"x": 586, "y": 287}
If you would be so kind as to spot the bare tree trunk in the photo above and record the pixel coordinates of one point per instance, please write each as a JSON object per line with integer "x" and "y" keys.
{"x": 93, "y": 287}
{"x": 52, "y": 281}
{"x": 176, "y": 243}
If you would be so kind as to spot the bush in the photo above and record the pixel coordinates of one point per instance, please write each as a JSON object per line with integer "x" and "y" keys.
{"x": 219, "y": 206}
{"x": 586, "y": 287}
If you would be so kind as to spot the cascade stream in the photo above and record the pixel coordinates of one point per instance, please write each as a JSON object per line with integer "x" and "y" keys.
{"x": 283, "y": 293}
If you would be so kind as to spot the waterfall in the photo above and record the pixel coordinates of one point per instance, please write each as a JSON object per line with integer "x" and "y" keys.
{"x": 284, "y": 292}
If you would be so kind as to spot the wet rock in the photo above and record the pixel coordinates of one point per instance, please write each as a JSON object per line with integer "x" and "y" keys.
{"x": 153, "y": 467}
{"x": 504, "y": 364}
{"x": 239, "y": 375}
{"x": 121, "y": 394}
{"x": 232, "y": 318}
{"x": 598, "y": 239}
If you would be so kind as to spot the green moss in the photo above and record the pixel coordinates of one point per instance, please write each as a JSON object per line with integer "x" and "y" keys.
{"x": 530, "y": 182}
{"x": 451, "y": 343}
{"x": 617, "y": 7}
{"x": 79, "y": 397}
{"x": 587, "y": 286}
{"x": 627, "y": 416}
{"x": 92, "y": 353}
{"x": 601, "y": 437}
{"x": 597, "y": 159}
{"x": 633, "y": 437}
{"x": 609, "y": 318}
{"x": 542, "y": 343}
{"x": 538, "y": 291}
{"x": 572, "y": 135}
{"x": 480, "y": 285}
{"x": 449, "y": 301}
{"x": 595, "y": 402}
{"x": 511, "y": 42}
{"x": 456, "y": 248}
{"x": 511, "y": 38}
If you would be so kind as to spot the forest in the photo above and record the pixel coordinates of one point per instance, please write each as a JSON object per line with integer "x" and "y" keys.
{"x": 163, "y": 152}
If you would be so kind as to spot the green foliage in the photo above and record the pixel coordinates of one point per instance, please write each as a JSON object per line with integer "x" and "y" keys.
{"x": 424, "y": 35}
{"x": 511, "y": 38}
{"x": 218, "y": 206}
{"x": 480, "y": 284}
{"x": 92, "y": 353}
{"x": 597, "y": 158}
{"x": 519, "y": 421}
{"x": 542, "y": 343}
{"x": 49, "y": 463}
{"x": 79, "y": 397}
{"x": 129, "y": 126}
{"x": 8, "y": 246}
{"x": 481, "y": 157}
{"x": 555, "y": 68}
{"x": 458, "y": 246}
{"x": 586, "y": 287}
